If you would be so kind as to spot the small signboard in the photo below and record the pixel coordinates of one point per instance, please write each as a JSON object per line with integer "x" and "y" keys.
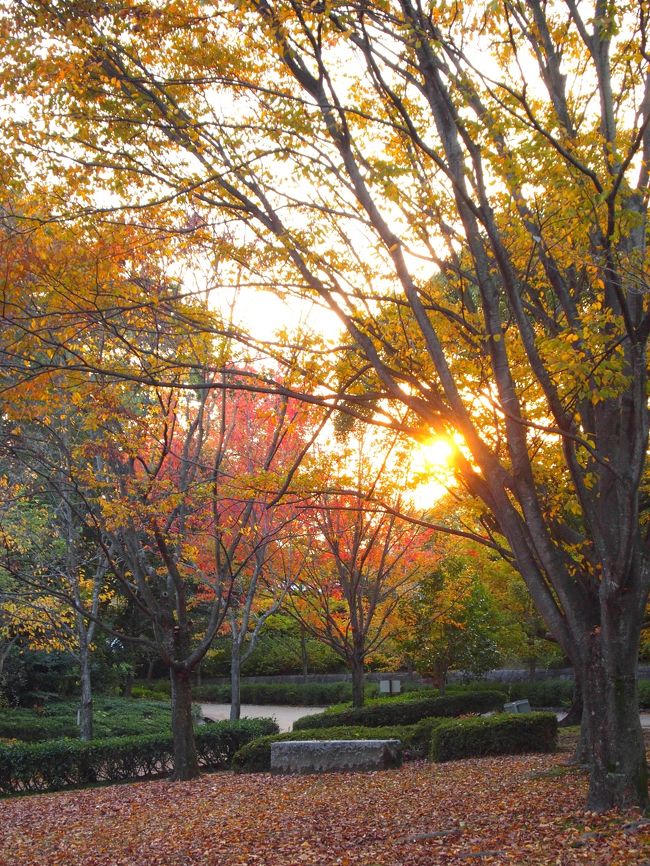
{"x": 390, "y": 687}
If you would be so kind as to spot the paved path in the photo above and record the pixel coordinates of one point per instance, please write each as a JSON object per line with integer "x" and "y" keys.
{"x": 645, "y": 718}
{"x": 284, "y": 716}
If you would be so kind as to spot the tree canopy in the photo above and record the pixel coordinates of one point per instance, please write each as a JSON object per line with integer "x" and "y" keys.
{"x": 466, "y": 186}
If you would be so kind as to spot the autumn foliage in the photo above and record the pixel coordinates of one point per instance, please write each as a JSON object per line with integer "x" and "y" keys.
{"x": 508, "y": 811}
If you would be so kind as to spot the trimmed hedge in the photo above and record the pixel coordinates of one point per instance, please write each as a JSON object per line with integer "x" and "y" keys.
{"x": 255, "y": 757}
{"x": 505, "y": 734}
{"x": 297, "y": 694}
{"x": 71, "y": 763}
{"x": 406, "y": 712}
{"x": 544, "y": 693}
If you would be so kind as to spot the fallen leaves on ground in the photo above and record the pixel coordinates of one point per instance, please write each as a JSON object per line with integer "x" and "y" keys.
{"x": 524, "y": 810}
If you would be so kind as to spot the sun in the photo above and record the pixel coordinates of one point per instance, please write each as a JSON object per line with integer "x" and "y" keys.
{"x": 432, "y": 470}
{"x": 438, "y": 452}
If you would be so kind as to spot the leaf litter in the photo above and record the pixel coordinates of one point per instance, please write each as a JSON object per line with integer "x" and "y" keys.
{"x": 512, "y": 810}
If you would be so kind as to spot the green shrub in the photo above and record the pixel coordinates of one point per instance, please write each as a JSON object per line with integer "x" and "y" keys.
{"x": 255, "y": 757}
{"x": 72, "y": 763}
{"x": 112, "y": 717}
{"x": 540, "y": 693}
{"x": 215, "y": 693}
{"x": 545, "y": 693}
{"x": 296, "y": 694}
{"x": 505, "y": 734}
{"x": 405, "y": 712}
{"x": 160, "y": 686}
{"x": 144, "y": 693}
{"x": 22, "y": 724}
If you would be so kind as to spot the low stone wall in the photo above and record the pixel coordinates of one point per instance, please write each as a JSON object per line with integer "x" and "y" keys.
{"x": 327, "y": 756}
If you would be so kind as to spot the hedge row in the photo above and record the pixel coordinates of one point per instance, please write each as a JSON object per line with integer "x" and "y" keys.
{"x": 407, "y": 712}
{"x": 442, "y": 739}
{"x": 72, "y": 763}
{"x": 305, "y": 694}
{"x": 546, "y": 693}
{"x": 505, "y": 734}
{"x": 255, "y": 757}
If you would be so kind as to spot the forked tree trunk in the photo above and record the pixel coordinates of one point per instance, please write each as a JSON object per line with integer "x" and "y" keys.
{"x": 611, "y": 725}
{"x": 358, "y": 680}
{"x": 186, "y": 765}
{"x": 86, "y": 705}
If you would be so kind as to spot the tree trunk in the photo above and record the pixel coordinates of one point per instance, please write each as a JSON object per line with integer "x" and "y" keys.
{"x": 303, "y": 653}
{"x": 186, "y": 764}
{"x": 618, "y": 770}
{"x": 574, "y": 716}
{"x": 86, "y": 706}
{"x": 235, "y": 683}
{"x": 358, "y": 678}
{"x": 531, "y": 661}
{"x": 128, "y": 685}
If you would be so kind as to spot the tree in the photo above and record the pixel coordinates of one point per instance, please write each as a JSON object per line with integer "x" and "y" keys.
{"x": 450, "y": 622}
{"x": 51, "y": 573}
{"x": 361, "y": 558}
{"x": 476, "y": 215}
{"x": 187, "y": 525}
{"x": 260, "y": 445}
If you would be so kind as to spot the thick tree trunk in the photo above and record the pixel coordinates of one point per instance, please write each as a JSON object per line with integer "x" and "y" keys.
{"x": 358, "y": 680}
{"x": 86, "y": 705}
{"x": 186, "y": 764}
{"x": 235, "y": 683}
{"x": 612, "y": 729}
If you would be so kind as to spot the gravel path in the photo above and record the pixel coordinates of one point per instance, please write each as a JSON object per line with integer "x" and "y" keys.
{"x": 284, "y": 716}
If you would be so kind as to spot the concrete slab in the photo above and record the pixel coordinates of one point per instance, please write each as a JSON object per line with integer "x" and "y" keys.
{"x": 331, "y": 756}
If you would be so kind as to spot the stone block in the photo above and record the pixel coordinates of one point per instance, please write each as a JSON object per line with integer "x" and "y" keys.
{"x": 517, "y": 707}
{"x": 328, "y": 756}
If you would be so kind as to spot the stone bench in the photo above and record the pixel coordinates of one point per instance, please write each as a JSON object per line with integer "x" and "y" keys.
{"x": 323, "y": 756}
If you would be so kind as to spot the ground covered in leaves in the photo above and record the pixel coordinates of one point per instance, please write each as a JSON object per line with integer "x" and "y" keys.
{"x": 524, "y": 810}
